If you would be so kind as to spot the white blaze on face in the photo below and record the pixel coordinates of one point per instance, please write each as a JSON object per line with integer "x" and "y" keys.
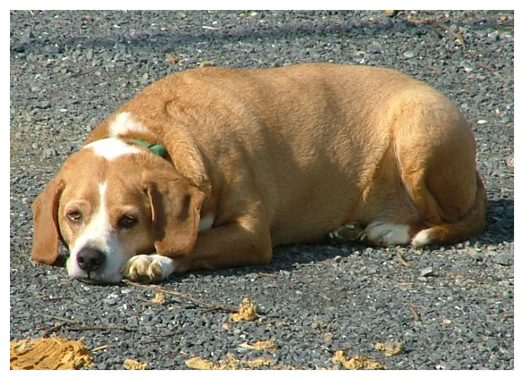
{"x": 99, "y": 234}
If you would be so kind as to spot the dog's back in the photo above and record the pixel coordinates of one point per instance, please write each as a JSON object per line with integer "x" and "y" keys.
{"x": 325, "y": 145}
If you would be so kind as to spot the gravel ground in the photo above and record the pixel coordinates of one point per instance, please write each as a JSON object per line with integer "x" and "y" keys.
{"x": 450, "y": 307}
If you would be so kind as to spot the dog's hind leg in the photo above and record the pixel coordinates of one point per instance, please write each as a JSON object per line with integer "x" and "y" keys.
{"x": 426, "y": 189}
{"x": 436, "y": 157}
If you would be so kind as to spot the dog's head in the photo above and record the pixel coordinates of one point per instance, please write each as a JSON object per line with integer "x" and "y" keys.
{"x": 110, "y": 201}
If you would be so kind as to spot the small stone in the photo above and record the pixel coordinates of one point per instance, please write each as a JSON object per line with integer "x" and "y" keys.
{"x": 375, "y": 49}
{"x": 172, "y": 59}
{"x": 426, "y": 272}
{"x": 503, "y": 259}
{"x": 43, "y": 105}
{"x": 207, "y": 64}
{"x": 390, "y": 13}
{"x": 49, "y": 153}
{"x": 89, "y": 54}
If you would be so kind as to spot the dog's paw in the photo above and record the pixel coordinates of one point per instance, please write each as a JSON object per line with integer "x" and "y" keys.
{"x": 385, "y": 234}
{"x": 346, "y": 233}
{"x": 148, "y": 268}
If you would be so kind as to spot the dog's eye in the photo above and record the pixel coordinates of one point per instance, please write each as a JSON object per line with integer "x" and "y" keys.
{"x": 75, "y": 216}
{"x": 127, "y": 221}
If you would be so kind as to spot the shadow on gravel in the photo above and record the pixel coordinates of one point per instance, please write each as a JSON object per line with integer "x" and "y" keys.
{"x": 285, "y": 258}
{"x": 499, "y": 230}
{"x": 342, "y": 25}
{"x": 500, "y": 223}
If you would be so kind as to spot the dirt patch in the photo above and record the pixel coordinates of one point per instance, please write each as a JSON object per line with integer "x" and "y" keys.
{"x": 233, "y": 363}
{"x": 263, "y": 345}
{"x": 135, "y": 365}
{"x": 246, "y": 311}
{"x": 159, "y": 298}
{"x": 49, "y": 354}
{"x": 391, "y": 348}
{"x": 357, "y": 361}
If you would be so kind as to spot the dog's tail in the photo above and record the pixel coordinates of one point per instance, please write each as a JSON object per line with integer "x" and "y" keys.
{"x": 471, "y": 224}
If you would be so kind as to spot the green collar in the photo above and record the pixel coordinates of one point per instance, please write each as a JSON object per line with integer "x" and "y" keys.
{"x": 155, "y": 148}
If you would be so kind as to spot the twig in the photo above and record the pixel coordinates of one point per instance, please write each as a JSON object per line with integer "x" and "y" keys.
{"x": 402, "y": 261}
{"x": 187, "y": 297}
{"x": 457, "y": 36}
{"x": 53, "y": 329}
{"x": 66, "y": 320}
{"x": 264, "y": 274}
{"x": 101, "y": 328}
{"x": 100, "y": 348}
{"x": 79, "y": 325}
{"x": 416, "y": 317}
{"x": 482, "y": 66}
{"x": 83, "y": 72}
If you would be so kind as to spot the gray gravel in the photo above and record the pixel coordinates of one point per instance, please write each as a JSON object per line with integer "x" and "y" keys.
{"x": 451, "y": 307}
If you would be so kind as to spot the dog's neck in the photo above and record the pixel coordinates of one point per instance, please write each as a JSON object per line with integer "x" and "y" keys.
{"x": 155, "y": 148}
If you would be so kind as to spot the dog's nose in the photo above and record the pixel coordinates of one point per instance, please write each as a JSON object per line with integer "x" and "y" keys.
{"x": 90, "y": 259}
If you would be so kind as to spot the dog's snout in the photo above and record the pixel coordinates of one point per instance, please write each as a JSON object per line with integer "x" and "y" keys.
{"x": 90, "y": 259}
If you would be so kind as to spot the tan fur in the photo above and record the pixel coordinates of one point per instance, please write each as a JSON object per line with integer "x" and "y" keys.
{"x": 287, "y": 155}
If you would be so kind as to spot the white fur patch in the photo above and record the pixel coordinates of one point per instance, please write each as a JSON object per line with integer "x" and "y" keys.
{"x": 112, "y": 148}
{"x": 98, "y": 235}
{"x": 123, "y": 123}
{"x": 206, "y": 223}
{"x": 385, "y": 234}
{"x": 422, "y": 238}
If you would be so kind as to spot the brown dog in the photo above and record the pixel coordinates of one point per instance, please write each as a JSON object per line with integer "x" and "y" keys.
{"x": 238, "y": 161}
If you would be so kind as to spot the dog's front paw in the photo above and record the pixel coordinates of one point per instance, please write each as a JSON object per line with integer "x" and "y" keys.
{"x": 148, "y": 268}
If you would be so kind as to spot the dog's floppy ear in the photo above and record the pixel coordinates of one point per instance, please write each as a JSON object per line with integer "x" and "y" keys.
{"x": 175, "y": 210}
{"x": 46, "y": 234}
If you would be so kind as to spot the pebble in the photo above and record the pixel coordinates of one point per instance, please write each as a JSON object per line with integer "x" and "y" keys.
{"x": 49, "y": 153}
{"x": 504, "y": 259}
{"x": 427, "y": 272}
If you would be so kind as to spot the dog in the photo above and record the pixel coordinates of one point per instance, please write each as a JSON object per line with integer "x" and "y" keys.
{"x": 212, "y": 167}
